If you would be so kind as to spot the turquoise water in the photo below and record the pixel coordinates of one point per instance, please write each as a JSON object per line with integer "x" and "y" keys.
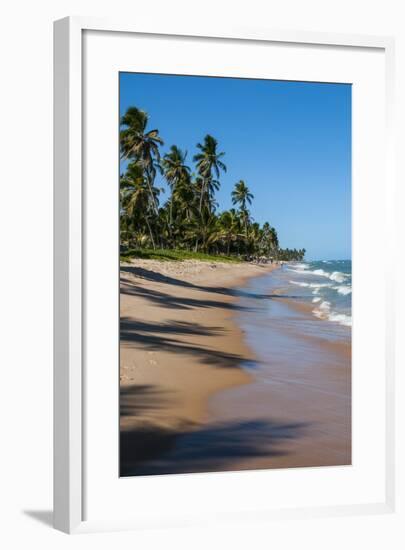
{"x": 327, "y": 283}
{"x": 296, "y": 308}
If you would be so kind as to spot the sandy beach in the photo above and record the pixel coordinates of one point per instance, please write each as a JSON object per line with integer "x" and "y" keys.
{"x": 189, "y": 401}
{"x": 179, "y": 346}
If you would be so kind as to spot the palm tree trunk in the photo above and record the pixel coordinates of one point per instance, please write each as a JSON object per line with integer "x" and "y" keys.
{"x": 148, "y": 179}
{"x": 171, "y": 205}
{"x": 151, "y": 234}
{"x": 202, "y": 194}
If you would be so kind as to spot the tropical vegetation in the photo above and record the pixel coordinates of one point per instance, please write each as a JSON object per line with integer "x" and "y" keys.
{"x": 188, "y": 223}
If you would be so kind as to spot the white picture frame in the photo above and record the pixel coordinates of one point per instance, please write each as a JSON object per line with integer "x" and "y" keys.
{"x": 69, "y": 212}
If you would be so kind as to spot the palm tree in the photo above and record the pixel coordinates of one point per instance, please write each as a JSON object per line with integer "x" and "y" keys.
{"x": 268, "y": 241}
{"x": 135, "y": 196}
{"x": 273, "y": 238}
{"x": 229, "y": 227}
{"x": 175, "y": 171}
{"x": 125, "y": 228}
{"x": 141, "y": 145}
{"x": 242, "y": 196}
{"x": 208, "y": 163}
{"x": 185, "y": 198}
{"x": 189, "y": 218}
{"x": 254, "y": 238}
{"x": 203, "y": 231}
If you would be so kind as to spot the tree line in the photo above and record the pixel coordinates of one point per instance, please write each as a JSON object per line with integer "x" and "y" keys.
{"x": 189, "y": 219}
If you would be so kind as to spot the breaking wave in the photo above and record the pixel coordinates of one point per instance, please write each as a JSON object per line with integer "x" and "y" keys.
{"x": 324, "y": 311}
{"x": 328, "y": 284}
{"x": 336, "y": 276}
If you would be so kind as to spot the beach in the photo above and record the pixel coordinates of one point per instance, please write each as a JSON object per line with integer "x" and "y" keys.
{"x": 235, "y": 303}
{"x": 208, "y": 383}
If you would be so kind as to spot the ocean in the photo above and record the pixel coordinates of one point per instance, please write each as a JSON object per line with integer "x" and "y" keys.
{"x": 328, "y": 283}
{"x": 297, "y": 322}
{"x": 296, "y": 312}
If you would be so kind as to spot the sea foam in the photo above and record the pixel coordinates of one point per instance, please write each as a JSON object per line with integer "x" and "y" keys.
{"x": 324, "y": 311}
{"x": 344, "y": 289}
{"x": 336, "y": 276}
{"x": 311, "y": 285}
{"x": 328, "y": 286}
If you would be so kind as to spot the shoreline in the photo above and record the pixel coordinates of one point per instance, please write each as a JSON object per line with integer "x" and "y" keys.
{"x": 211, "y": 379}
{"x": 180, "y": 346}
{"x": 299, "y": 404}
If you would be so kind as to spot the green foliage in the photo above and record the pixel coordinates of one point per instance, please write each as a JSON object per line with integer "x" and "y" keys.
{"x": 174, "y": 255}
{"x": 187, "y": 225}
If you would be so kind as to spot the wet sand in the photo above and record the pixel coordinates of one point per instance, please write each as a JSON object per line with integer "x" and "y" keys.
{"x": 211, "y": 382}
{"x": 299, "y": 402}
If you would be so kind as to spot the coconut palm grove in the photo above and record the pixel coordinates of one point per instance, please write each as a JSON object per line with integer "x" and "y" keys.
{"x": 188, "y": 223}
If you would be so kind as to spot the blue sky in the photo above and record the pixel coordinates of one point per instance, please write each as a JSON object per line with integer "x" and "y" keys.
{"x": 289, "y": 141}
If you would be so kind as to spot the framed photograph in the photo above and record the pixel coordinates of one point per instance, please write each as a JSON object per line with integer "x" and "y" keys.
{"x": 223, "y": 340}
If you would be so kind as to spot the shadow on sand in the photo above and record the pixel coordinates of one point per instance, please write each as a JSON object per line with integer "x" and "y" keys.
{"x": 149, "y": 275}
{"x": 149, "y": 450}
{"x": 162, "y": 337}
{"x": 139, "y": 399}
{"x": 153, "y": 276}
